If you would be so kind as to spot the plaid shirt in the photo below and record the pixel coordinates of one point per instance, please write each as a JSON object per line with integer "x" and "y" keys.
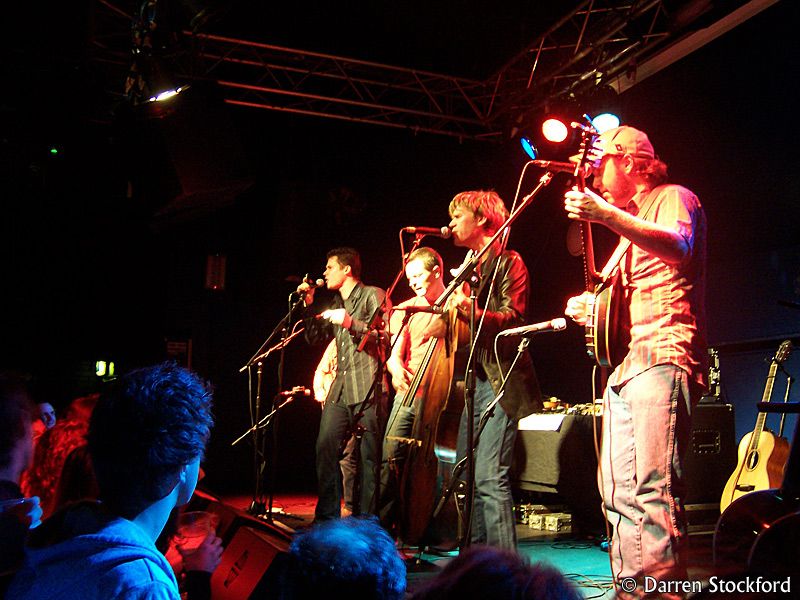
{"x": 667, "y": 302}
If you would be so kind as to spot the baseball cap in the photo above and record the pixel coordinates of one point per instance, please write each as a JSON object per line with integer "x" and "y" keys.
{"x": 620, "y": 141}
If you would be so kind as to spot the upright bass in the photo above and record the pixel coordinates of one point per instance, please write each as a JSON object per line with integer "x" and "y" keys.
{"x": 433, "y": 436}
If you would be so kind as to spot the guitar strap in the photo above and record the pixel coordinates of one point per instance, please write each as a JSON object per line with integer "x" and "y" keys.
{"x": 625, "y": 243}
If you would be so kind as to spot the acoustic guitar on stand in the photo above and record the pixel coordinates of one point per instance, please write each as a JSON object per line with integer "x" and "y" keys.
{"x": 762, "y": 454}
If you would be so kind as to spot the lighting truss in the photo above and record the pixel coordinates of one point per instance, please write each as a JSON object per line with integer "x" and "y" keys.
{"x": 598, "y": 42}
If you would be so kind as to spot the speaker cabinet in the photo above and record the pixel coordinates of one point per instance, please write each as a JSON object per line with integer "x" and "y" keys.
{"x": 711, "y": 456}
{"x": 709, "y": 461}
{"x": 251, "y": 566}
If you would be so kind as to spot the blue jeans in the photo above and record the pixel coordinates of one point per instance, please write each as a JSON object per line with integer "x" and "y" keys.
{"x": 492, "y": 510}
{"x": 646, "y": 431}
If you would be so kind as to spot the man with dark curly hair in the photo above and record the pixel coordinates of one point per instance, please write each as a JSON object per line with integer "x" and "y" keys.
{"x": 146, "y": 437}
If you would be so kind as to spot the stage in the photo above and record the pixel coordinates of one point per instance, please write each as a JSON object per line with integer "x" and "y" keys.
{"x": 579, "y": 557}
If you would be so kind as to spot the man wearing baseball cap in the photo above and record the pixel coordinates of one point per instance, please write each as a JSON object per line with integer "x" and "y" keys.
{"x": 650, "y": 395}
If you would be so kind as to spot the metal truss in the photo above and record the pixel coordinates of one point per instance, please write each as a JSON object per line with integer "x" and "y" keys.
{"x": 599, "y": 42}
{"x": 605, "y": 42}
{"x": 310, "y": 83}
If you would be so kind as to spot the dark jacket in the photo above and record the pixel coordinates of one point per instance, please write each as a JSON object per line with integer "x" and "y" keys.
{"x": 507, "y": 307}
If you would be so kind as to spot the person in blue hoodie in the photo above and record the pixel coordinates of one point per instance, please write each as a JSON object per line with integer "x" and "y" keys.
{"x": 146, "y": 438}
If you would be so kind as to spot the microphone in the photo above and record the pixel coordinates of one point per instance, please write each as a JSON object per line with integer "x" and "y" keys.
{"x": 435, "y": 310}
{"x": 555, "y": 325}
{"x": 295, "y": 391}
{"x": 313, "y": 283}
{"x": 554, "y": 165}
{"x": 442, "y": 232}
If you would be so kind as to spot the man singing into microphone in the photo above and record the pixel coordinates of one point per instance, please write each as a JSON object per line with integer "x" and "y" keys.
{"x": 649, "y": 396}
{"x": 356, "y": 395}
{"x": 502, "y": 299}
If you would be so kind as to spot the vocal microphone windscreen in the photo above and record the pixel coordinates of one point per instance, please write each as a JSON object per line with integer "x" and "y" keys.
{"x": 558, "y": 324}
{"x": 314, "y": 283}
{"x": 555, "y": 166}
{"x": 442, "y": 232}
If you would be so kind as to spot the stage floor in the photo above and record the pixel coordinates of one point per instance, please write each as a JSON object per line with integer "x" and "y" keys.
{"x": 580, "y": 559}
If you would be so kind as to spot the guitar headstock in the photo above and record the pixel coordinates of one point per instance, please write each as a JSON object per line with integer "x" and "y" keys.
{"x": 783, "y": 352}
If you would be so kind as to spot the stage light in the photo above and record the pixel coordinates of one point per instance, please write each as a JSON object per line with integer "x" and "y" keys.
{"x": 605, "y": 121}
{"x": 53, "y": 150}
{"x": 167, "y": 94}
{"x": 529, "y": 147}
{"x": 555, "y": 130}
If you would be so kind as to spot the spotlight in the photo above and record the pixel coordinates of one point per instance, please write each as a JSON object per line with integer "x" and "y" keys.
{"x": 529, "y": 147}
{"x": 555, "y": 130}
{"x": 603, "y": 102}
{"x": 605, "y": 121}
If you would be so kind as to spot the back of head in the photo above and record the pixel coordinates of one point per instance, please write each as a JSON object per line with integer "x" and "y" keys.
{"x": 345, "y": 558}
{"x": 486, "y": 572}
{"x": 143, "y": 431}
{"x": 16, "y": 413}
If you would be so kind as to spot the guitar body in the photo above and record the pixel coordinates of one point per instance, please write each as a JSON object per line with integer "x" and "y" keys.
{"x": 775, "y": 549}
{"x": 762, "y": 455}
{"x": 607, "y": 330}
{"x": 746, "y": 520}
{"x": 757, "y": 469}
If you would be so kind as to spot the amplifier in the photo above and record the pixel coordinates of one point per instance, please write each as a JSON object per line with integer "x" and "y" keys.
{"x": 711, "y": 456}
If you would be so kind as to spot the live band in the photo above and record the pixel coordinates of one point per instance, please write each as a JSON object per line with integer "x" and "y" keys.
{"x": 391, "y": 371}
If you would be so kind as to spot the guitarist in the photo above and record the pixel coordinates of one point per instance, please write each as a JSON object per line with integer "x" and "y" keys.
{"x": 502, "y": 302}
{"x": 424, "y": 272}
{"x": 650, "y": 395}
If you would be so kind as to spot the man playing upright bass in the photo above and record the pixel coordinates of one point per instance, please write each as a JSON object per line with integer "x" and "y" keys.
{"x": 412, "y": 332}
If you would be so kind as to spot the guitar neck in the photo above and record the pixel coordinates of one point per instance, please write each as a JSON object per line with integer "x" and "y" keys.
{"x": 762, "y": 416}
{"x": 590, "y": 274}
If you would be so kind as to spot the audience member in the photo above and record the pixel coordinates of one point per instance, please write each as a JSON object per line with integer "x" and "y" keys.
{"x": 17, "y": 513}
{"x": 146, "y": 439}
{"x": 52, "y": 449}
{"x": 47, "y": 414}
{"x": 482, "y": 572}
{"x": 45, "y": 418}
{"x": 344, "y": 559}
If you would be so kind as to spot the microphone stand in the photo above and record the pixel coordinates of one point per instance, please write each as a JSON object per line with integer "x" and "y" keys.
{"x": 258, "y": 506}
{"x": 383, "y": 356}
{"x": 468, "y": 460}
{"x": 289, "y": 395}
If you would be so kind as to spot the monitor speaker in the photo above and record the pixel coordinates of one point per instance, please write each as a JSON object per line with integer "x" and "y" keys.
{"x": 251, "y": 566}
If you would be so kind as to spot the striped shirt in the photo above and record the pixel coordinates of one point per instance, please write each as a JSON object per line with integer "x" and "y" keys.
{"x": 355, "y": 371}
{"x": 667, "y": 301}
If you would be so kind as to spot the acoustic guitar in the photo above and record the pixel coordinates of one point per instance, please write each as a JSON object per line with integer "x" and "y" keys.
{"x": 762, "y": 455}
{"x": 759, "y": 531}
